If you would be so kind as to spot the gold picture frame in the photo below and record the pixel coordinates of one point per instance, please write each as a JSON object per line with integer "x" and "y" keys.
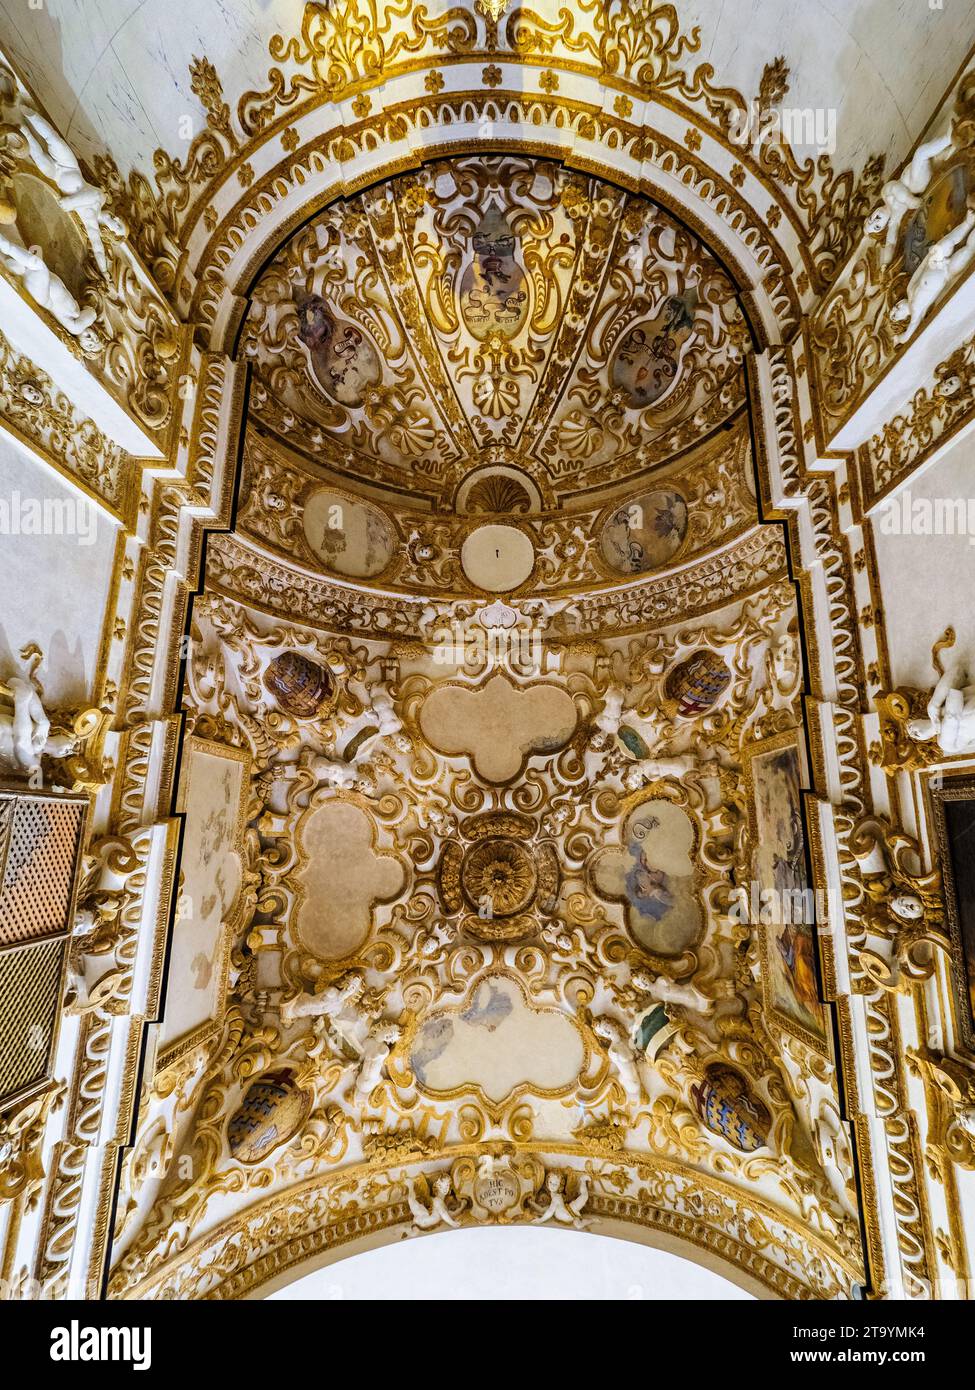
{"x": 780, "y": 864}
{"x": 958, "y": 884}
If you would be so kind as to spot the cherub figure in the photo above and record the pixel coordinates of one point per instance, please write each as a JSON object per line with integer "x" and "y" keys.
{"x": 425, "y": 1218}
{"x": 666, "y": 991}
{"x": 337, "y": 1004}
{"x": 608, "y": 720}
{"x": 55, "y": 158}
{"x": 647, "y": 770}
{"x": 950, "y": 713}
{"x": 25, "y": 730}
{"x": 566, "y": 1213}
{"x": 621, "y": 1055}
{"x": 945, "y": 260}
{"x": 378, "y": 1044}
{"x": 45, "y": 288}
{"x": 904, "y": 194}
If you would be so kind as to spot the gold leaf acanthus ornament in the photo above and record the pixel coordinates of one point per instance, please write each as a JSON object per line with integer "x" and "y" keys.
{"x": 494, "y": 9}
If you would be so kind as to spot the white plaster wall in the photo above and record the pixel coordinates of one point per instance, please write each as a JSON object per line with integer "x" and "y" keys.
{"x": 514, "y": 1263}
{"x": 114, "y": 73}
{"x": 927, "y": 582}
{"x": 53, "y": 588}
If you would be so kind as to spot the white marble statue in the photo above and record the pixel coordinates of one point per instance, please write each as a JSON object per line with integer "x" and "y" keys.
{"x": 608, "y": 720}
{"x": 25, "y": 730}
{"x": 645, "y": 770}
{"x": 337, "y": 1003}
{"x": 945, "y": 260}
{"x": 334, "y": 773}
{"x": 558, "y": 1209}
{"x": 425, "y": 1218}
{"x": 55, "y": 159}
{"x": 665, "y": 991}
{"x": 385, "y": 712}
{"x": 376, "y": 1047}
{"x": 903, "y": 195}
{"x": 621, "y": 1055}
{"x": 46, "y": 289}
{"x": 950, "y": 714}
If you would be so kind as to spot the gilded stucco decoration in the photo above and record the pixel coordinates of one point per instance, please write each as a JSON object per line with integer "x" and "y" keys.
{"x": 557, "y": 795}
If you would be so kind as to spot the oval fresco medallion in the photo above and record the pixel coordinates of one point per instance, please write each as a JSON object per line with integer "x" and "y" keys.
{"x": 646, "y": 533}
{"x": 697, "y": 683}
{"x": 652, "y": 873}
{"x": 343, "y": 360}
{"x": 349, "y": 537}
{"x": 727, "y": 1107}
{"x": 494, "y": 287}
{"x": 301, "y": 686}
{"x": 271, "y": 1111}
{"x": 648, "y": 358}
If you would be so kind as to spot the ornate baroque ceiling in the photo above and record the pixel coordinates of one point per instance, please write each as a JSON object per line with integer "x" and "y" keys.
{"x": 495, "y": 310}
{"x": 517, "y": 728}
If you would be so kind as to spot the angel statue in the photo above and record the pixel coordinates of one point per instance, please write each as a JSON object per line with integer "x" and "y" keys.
{"x": 25, "y": 729}
{"x": 426, "y": 1217}
{"x": 607, "y": 722}
{"x": 950, "y": 709}
{"x": 943, "y": 262}
{"x": 621, "y": 1055}
{"x": 375, "y": 1049}
{"x": 46, "y": 289}
{"x": 567, "y": 1212}
{"x": 904, "y": 194}
{"x": 336, "y": 1004}
{"x": 55, "y": 159}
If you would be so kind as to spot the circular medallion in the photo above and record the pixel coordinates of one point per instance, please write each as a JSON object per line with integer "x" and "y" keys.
{"x": 497, "y": 558}
{"x": 697, "y": 683}
{"x": 301, "y": 687}
{"x": 499, "y": 875}
{"x": 270, "y": 1113}
{"x": 349, "y": 537}
{"x": 646, "y": 533}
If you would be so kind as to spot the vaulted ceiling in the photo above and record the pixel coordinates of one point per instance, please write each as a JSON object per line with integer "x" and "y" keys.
{"x": 117, "y": 81}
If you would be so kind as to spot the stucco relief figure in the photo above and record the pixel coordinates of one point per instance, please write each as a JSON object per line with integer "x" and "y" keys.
{"x": 565, "y": 1212}
{"x": 945, "y": 260}
{"x": 46, "y": 289}
{"x": 904, "y": 194}
{"x": 950, "y": 713}
{"x": 156, "y": 1147}
{"x": 55, "y": 159}
{"x": 608, "y": 721}
{"x": 337, "y": 1004}
{"x": 647, "y": 770}
{"x": 425, "y": 1218}
{"x": 25, "y": 729}
{"x": 621, "y": 1055}
{"x": 375, "y": 1049}
{"x": 666, "y": 991}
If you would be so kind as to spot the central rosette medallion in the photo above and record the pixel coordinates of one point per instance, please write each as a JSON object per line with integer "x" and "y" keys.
{"x": 500, "y": 875}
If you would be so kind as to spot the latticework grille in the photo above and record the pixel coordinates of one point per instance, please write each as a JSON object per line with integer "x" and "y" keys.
{"x": 38, "y": 851}
{"x": 30, "y": 979}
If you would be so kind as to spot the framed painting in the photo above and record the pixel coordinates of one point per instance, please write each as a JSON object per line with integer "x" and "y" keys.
{"x": 213, "y": 795}
{"x": 953, "y": 804}
{"x": 781, "y": 895}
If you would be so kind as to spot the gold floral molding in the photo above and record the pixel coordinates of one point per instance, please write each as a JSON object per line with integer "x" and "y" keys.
{"x": 45, "y": 419}
{"x": 935, "y": 414}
